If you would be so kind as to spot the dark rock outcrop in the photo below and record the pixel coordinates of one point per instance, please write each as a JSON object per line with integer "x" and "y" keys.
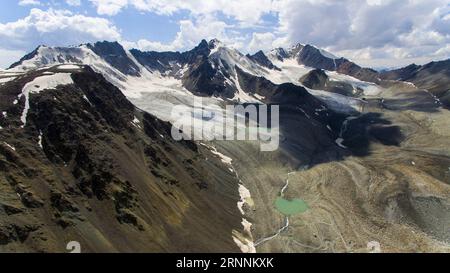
{"x": 318, "y": 79}
{"x": 260, "y": 58}
{"x": 114, "y": 54}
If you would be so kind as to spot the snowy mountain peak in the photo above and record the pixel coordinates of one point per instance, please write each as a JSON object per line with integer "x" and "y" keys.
{"x": 323, "y": 52}
{"x": 261, "y": 58}
{"x": 215, "y": 43}
{"x": 278, "y": 54}
{"x": 28, "y": 56}
{"x": 296, "y": 49}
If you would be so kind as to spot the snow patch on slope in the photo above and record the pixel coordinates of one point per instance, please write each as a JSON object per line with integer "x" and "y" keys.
{"x": 243, "y": 240}
{"x": 68, "y": 67}
{"x": 339, "y": 142}
{"x": 6, "y": 79}
{"x": 243, "y": 243}
{"x": 291, "y": 71}
{"x": 225, "y": 159}
{"x": 228, "y": 58}
{"x": 338, "y": 102}
{"x": 9, "y": 146}
{"x": 39, "y": 84}
{"x": 369, "y": 89}
{"x": 40, "y": 139}
{"x": 241, "y": 96}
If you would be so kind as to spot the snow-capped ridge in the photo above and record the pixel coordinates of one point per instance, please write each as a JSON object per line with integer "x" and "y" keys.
{"x": 214, "y": 45}
{"x": 208, "y": 69}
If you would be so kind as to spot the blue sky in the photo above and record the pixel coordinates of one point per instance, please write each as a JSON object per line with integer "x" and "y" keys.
{"x": 134, "y": 25}
{"x": 376, "y": 33}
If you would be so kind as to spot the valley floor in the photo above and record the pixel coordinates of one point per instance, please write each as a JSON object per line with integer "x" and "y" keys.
{"x": 392, "y": 199}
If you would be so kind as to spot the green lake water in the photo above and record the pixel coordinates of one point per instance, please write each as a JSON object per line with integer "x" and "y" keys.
{"x": 290, "y": 207}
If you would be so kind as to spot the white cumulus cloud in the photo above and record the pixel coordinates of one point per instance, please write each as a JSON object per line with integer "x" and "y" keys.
{"x": 190, "y": 33}
{"x": 55, "y": 27}
{"x": 74, "y": 3}
{"x": 29, "y": 3}
{"x": 261, "y": 41}
{"x": 249, "y": 11}
{"x": 367, "y": 30}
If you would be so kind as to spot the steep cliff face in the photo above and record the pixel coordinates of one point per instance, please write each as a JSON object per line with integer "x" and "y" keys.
{"x": 116, "y": 56}
{"x": 88, "y": 166}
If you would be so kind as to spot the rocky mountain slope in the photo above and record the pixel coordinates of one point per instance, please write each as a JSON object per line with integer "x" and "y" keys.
{"x": 434, "y": 77}
{"x": 88, "y": 166}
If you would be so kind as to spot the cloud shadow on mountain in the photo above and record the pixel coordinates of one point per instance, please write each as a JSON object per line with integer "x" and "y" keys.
{"x": 305, "y": 143}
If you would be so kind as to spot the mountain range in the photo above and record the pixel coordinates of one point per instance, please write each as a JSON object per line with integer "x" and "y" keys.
{"x": 86, "y": 153}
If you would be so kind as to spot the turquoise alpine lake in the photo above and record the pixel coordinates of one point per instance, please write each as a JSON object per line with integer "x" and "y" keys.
{"x": 290, "y": 207}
